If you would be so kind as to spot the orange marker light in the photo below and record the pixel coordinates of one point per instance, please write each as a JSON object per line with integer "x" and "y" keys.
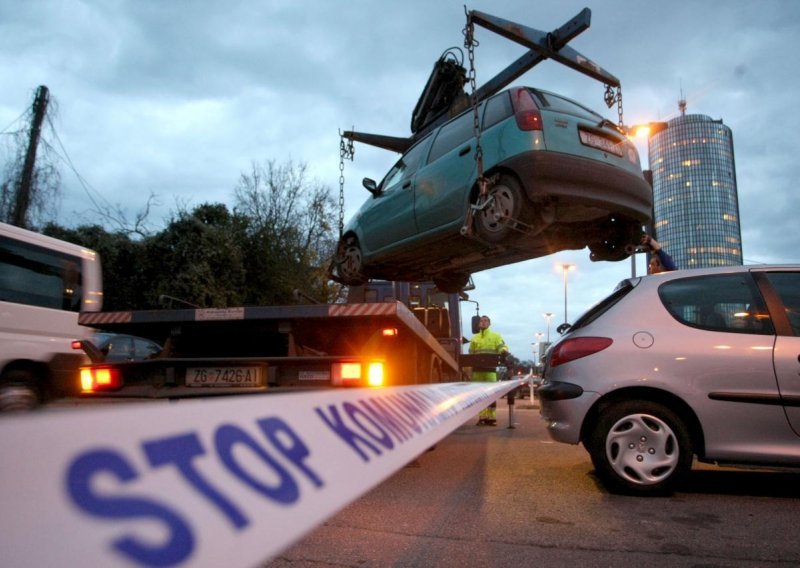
{"x": 375, "y": 374}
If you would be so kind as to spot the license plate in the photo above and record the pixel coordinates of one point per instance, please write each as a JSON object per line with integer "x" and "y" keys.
{"x": 223, "y": 377}
{"x": 601, "y": 143}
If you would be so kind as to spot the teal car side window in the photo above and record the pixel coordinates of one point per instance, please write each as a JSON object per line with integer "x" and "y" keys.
{"x": 407, "y": 165}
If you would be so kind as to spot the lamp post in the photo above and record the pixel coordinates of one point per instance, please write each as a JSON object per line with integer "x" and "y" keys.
{"x": 565, "y": 267}
{"x": 538, "y": 344}
{"x": 548, "y": 316}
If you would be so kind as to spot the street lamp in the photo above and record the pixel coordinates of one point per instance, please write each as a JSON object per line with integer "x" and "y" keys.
{"x": 646, "y": 130}
{"x": 548, "y": 316}
{"x": 538, "y": 344}
{"x": 565, "y": 267}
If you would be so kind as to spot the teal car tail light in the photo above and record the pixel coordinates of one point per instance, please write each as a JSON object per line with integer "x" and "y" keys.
{"x": 572, "y": 349}
{"x": 526, "y": 112}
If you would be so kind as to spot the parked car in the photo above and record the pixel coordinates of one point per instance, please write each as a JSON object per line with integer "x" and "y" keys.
{"x": 117, "y": 347}
{"x": 560, "y": 177}
{"x": 700, "y": 363}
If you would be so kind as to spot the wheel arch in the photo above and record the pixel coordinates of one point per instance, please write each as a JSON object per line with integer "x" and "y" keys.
{"x": 39, "y": 376}
{"x": 497, "y": 170}
{"x": 669, "y": 400}
{"x": 38, "y": 369}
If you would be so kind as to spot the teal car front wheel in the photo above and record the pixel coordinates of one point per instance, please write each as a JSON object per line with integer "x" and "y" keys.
{"x": 350, "y": 264}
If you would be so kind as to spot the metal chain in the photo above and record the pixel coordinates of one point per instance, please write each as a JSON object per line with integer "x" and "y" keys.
{"x": 471, "y": 43}
{"x": 610, "y": 98}
{"x": 346, "y": 151}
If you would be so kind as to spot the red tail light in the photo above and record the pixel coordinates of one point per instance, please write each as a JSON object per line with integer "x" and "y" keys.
{"x": 525, "y": 110}
{"x": 572, "y": 349}
{"x": 95, "y": 379}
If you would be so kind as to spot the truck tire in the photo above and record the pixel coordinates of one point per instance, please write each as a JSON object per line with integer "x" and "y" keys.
{"x": 19, "y": 391}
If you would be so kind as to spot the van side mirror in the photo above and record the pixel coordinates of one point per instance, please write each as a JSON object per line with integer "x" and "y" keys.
{"x": 563, "y": 328}
{"x": 476, "y": 327}
{"x": 371, "y": 186}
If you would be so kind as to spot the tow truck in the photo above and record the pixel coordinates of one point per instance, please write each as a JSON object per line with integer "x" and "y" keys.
{"x": 387, "y": 334}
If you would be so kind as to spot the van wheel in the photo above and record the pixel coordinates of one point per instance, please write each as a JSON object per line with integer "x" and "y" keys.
{"x": 19, "y": 391}
{"x": 497, "y": 220}
{"x": 640, "y": 447}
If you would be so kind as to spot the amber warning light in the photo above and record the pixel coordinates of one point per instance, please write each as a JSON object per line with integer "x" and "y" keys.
{"x": 358, "y": 374}
{"x": 99, "y": 379}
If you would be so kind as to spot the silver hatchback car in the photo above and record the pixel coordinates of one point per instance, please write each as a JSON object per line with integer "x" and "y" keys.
{"x": 693, "y": 363}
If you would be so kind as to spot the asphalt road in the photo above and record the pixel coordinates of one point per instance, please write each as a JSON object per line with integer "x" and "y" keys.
{"x": 510, "y": 497}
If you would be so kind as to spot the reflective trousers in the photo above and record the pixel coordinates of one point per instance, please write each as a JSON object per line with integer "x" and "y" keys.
{"x": 490, "y": 412}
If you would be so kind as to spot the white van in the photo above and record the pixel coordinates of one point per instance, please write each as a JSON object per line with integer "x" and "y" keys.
{"x": 44, "y": 284}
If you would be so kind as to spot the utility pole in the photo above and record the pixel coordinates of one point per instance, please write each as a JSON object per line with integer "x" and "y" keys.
{"x": 23, "y": 197}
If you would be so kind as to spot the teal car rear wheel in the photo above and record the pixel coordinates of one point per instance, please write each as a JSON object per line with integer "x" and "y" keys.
{"x": 497, "y": 220}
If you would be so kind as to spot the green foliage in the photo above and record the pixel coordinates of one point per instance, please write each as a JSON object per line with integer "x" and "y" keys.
{"x": 197, "y": 258}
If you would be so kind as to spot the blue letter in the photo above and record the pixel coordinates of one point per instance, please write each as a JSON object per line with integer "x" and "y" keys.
{"x": 180, "y": 450}
{"x": 353, "y": 412}
{"x": 226, "y": 437}
{"x": 272, "y": 428}
{"x": 79, "y": 480}
{"x": 335, "y": 423}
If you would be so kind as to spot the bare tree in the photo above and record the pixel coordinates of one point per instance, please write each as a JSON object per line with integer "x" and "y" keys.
{"x": 31, "y": 183}
{"x": 290, "y": 225}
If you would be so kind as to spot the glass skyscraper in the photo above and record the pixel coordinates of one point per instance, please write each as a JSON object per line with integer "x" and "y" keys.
{"x": 695, "y": 200}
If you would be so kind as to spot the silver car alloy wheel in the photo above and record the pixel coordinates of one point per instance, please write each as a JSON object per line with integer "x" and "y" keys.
{"x": 642, "y": 449}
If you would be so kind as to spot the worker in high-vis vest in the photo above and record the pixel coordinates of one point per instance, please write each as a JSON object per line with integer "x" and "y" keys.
{"x": 486, "y": 341}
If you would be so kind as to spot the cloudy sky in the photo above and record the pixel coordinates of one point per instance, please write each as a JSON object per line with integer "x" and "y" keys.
{"x": 178, "y": 98}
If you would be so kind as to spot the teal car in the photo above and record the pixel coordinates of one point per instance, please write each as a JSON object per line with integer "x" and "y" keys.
{"x": 559, "y": 176}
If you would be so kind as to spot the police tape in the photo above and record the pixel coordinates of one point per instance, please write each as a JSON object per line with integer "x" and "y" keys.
{"x": 213, "y": 482}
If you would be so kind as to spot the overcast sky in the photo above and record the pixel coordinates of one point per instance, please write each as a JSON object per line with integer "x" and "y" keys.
{"x": 179, "y": 98}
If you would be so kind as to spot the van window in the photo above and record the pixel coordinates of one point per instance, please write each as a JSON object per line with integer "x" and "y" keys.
{"x": 36, "y": 276}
